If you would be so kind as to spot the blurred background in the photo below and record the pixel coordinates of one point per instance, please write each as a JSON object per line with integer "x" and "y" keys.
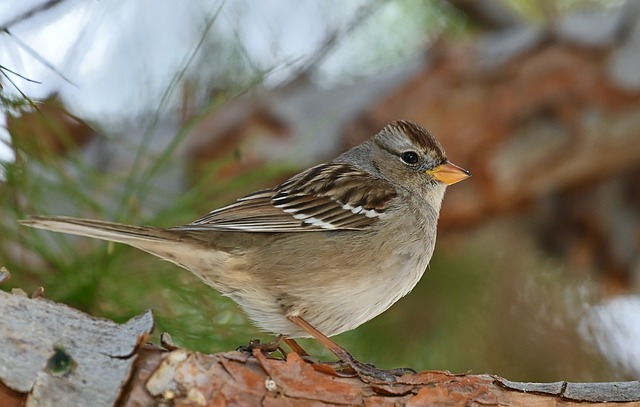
{"x": 156, "y": 112}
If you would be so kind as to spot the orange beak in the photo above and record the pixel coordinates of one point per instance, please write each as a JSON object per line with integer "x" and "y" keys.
{"x": 449, "y": 173}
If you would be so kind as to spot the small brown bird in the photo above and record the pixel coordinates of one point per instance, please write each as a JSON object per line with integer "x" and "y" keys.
{"x": 321, "y": 253}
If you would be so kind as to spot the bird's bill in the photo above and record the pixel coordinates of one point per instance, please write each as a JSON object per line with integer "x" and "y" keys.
{"x": 449, "y": 173}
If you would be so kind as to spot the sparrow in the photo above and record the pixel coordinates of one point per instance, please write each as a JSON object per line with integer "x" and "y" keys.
{"x": 319, "y": 254}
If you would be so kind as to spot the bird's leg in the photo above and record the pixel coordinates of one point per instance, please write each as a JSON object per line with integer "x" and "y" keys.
{"x": 296, "y": 347}
{"x": 264, "y": 347}
{"x": 305, "y": 356}
{"x": 363, "y": 370}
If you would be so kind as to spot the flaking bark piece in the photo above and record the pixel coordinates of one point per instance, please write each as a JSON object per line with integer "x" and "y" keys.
{"x": 297, "y": 379}
{"x": 63, "y": 357}
{"x": 590, "y": 392}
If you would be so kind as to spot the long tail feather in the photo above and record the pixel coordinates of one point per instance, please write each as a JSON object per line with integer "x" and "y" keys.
{"x": 180, "y": 247}
{"x": 98, "y": 229}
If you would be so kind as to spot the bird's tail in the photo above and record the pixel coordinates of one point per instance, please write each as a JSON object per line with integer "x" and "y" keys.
{"x": 176, "y": 246}
{"x": 97, "y": 229}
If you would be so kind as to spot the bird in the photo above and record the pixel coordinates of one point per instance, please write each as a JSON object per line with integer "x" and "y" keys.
{"x": 322, "y": 252}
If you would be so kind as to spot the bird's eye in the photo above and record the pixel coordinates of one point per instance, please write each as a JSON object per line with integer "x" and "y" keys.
{"x": 410, "y": 157}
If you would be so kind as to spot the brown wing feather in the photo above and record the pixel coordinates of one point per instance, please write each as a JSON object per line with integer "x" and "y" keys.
{"x": 325, "y": 197}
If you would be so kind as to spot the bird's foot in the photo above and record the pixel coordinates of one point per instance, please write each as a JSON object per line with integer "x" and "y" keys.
{"x": 354, "y": 368}
{"x": 351, "y": 366}
{"x": 266, "y": 348}
{"x": 368, "y": 372}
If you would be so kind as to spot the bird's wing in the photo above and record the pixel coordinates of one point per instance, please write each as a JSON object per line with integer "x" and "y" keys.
{"x": 333, "y": 196}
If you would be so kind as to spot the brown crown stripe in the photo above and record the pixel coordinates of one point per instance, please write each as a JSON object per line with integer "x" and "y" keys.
{"x": 419, "y": 135}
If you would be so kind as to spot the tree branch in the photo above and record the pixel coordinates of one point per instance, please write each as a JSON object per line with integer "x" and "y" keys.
{"x": 55, "y": 355}
{"x": 491, "y": 15}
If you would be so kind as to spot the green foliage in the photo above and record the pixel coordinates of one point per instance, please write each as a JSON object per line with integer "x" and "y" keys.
{"x": 111, "y": 280}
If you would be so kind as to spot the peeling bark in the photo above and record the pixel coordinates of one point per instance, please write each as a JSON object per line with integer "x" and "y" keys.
{"x": 52, "y": 355}
{"x": 57, "y": 356}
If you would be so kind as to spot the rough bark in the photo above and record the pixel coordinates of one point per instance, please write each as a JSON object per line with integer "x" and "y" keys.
{"x": 53, "y": 355}
{"x": 62, "y": 357}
